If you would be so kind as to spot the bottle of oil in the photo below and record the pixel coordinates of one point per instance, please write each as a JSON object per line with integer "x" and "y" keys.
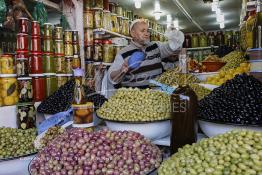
{"x": 184, "y": 117}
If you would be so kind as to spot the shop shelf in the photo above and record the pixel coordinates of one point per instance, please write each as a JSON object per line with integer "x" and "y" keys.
{"x": 110, "y": 34}
{"x": 202, "y": 48}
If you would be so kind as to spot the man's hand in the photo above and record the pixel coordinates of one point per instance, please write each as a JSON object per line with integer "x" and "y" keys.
{"x": 175, "y": 38}
{"x": 125, "y": 67}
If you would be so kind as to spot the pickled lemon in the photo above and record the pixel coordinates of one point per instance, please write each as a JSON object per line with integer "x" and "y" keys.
{"x": 9, "y": 100}
{"x": 82, "y": 112}
{"x": 222, "y": 74}
{"x": 3, "y": 94}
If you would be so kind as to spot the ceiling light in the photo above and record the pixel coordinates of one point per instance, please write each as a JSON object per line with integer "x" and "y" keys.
{"x": 169, "y": 18}
{"x": 157, "y": 15}
{"x": 214, "y": 6}
{"x": 220, "y": 18}
{"x": 222, "y": 25}
{"x": 138, "y": 4}
{"x": 218, "y": 11}
{"x": 157, "y": 12}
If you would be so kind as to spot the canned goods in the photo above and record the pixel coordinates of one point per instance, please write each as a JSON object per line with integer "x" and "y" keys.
{"x": 22, "y": 42}
{"x": 88, "y": 19}
{"x": 36, "y": 28}
{"x": 61, "y": 79}
{"x": 48, "y": 63}
{"x": 119, "y": 11}
{"x": 48, "y": 30}
{"x": 22, "y": 54}
{"x": 26, "y": 115}
{"x": 68, "y": 65}
{"x": 59, "y": 33}
{"x": 90, "y": 70}
{"x": 75, "y": 37}
{"x": 68, "y": 36}
{"x": 8, "y": 89}
{"x": 59, "y": 47}
{"x": 83, "y": 115}
{"x": 98, "y": 51}
{"x": 76, "y": 49}
{"x": 22, "y": 67}
{"x": 38, "y": 82}
{"x": 98, "y": 19}
{"x": 60, "y": 64}
{"x": 48, "y": 45}
{"x": 25, "y": 89}
{"x": 36, "y": 44}
{"x": 6, "y": 64}
{"x": 36, "y": 63}
{"x": 76, "y": 62}
{"x": 88, "y": 52}
{"x": 23, "y": 25}
{"x": 88, "y": 36}
{"x": 51, "y": 84}
{"x": 68, "y": 49}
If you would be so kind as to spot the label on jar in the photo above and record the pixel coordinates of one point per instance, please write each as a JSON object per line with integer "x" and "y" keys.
{"x": 25, "y": 89}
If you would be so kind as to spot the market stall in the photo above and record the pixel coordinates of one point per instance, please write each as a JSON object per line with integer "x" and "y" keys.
{"x": 60, "y": 113}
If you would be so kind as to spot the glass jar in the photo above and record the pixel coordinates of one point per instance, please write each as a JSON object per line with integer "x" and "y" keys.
{"x": 22, "y": 42}
{"x": 61, "y": 79}
{"x": 98, "y": 19}
{"x": 58, "y": 33}
{"x": 22, "y": 54}
{"x": 68, "y": 36}
{"x": 76, "y": 62}
{"x": 90, "y": 70}
{"x": 195, "y": 40}
{"x": 125, "y": 29}
{"x": 38, "y": 82}
{"x": 76, "y": 48}
{"x": 187, "y": 42}
{"x": 88, "y": 37}
{"x": 106, "y": 4}
{"x": 211, "y": 39}
{"x": 119, "y": 25}
{"x": 112, "y": 7}
{"x": 98, "y": 4}
{"x": 60, "y": 64}
{"x": 88, "y": 19}
{"x": 68, "y": 49}
{"x": 203, "y": 40}
{"x": 48, "y": 45}
{"x": 88, "y": 4}
{"x": 35, "y": 44}
{"x": 108, "y": 51}
{"x": 98, "y": 51}
{"x": 8, "y": 89}
{"x": 59, "y": 47}
{"x": 117, "y": 49}
{"x": 83, "y": 114}
{"x": 35, "y": 28}
{"x": 22, "y": 67}
{"x": 49, "y": 63}
{"x": 119, "y": 11}
{"x": 25, "y": 89}
{"x": 25, "y": 115}
{"x": 114, "y": 23}
{"x": 68, "y": 65}
{"x": 89, "y": 53}
{"x": 130, "y": 16}
{"x": 51, "y": 84}
{"x": 48, "y": 31}
{"x": 6, "y": 64}
{"x": 107, "y": 20}
{"x": 36, "y": 63}
{"x": 220, "y": 38}
{"x": 23, "y": 25}
{"x": 75, "y": 37}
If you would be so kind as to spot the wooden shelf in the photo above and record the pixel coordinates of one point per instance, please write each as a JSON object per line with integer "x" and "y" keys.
{"x": 110, "y": 34}
{"x": 202, "y": 48}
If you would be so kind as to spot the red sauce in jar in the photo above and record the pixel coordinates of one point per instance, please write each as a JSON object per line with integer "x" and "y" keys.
{"x": 23, "y": 25}
{"x": 38, "y": 82}
{"x": 22, "y": 42}
{"x": 36, "y": 44}
{"x": 36, "y": 28}
{"x": 36, "y": 63}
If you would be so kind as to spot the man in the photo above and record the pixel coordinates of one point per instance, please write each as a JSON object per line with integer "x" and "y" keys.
{"x": 120, "y": 72}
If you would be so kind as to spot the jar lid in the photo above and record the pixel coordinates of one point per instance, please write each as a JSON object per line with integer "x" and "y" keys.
{"x": 68, "y": 31}
{"x": 24, "y": 78}
{"x": 8, "y": 75}
{"x": 75, "y": 56}
{"x": 87, "y": 104}
{"x": 49, "y": 74}
{"x": 58, "y": 27}
{"x": 74, "y": 30}
{"x": 68, "y": 57}
{"x": 36, "y": 75}
{"x": 106, "y": 11}
{"x": 48, "y": 24}
{"x": 21, "y": 51}
{"x": 78, "y": 72}
{"x": 59, "y": 40}
{"x": 22, "y": 34}
{"x": 21, "y": 59}
{"x": 36, "y": 53}
{"x": 25, "y": 104}
{"x": 6, "y": 55}
{"x": 61, "y": 75}
{"x": 113, "y": 14}
{"x": 48, "y": 53}
{"x": 23, "y": 18}
{"x": 35, "y": 22}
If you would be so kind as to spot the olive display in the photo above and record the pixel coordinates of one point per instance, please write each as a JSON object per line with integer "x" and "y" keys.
{"x": 233, "y": 60}
{"x": 200, "y": 91}
{"x": 235, "y": 152}
{"x": 79, "y": 152}
{"x": 133, "y": 104}
{"x": 16, "y": 142}
{"x": 238, "y": 101}
{"x": 94, "y": 97}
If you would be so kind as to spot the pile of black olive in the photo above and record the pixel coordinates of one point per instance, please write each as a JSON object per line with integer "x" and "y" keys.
{"x": 94, "y": 97}
{"x": 238, "y": 101}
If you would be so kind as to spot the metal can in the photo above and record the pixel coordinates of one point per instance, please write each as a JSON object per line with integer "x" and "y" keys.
{"x": 61, "y": 79}
{"x": 59, "y": 47}
{"x": 68, "y": 65}
{"x": 48, "y": 45}
{"x": 36, "y": 28}
{"x": 88, "y": 19}
{"x": 89, "y": 53}
{"x": 98, "y": 51}
{"x": 88, "y": 36}
{"x": 25, "y": 89}
{"x": 112, "y": 7}
{"x": 23, "y": 25}
{"x": 22, "y": 42}
{"x": 75, "y": 37}
{"x": 49, "y": 63}
{"x": 6, "y": 64}
{"x": 98, "y": 19}
{"x": 48, "y": 30}
{"x": 38, "y": 82}
{"x": 60, "y": 63}
{"x": 36, "y": 63}
{"x": 59, "y": 33}
{"x": 68, "y": 36}
{"x": 76, "y": 49}
{"x": 35, "y": 44}
{"x": 68, "y": 49}
{"x": 76, "y": 62}
{"x": 51, "y": 84}
{"x": 22, "y": 67}
{"x": 26, "y": 115}
{"x": 119, "y": 11}
{"x": 8, "y": 89}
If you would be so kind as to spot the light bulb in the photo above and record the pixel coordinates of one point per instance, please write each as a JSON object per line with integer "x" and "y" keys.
{"x": 218, "y": 11}
{"x": 222, "y": 25}
{"x": 138, "y": 4}
{"x": 220, "y": 18}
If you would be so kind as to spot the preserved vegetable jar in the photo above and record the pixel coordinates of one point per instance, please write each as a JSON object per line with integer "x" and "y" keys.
{"x": 49, "y": 63}
{"x": 36, "y": 44}
{"x": 117, "y": 49}
{"x": 48, "y": 30}
{"x": 59, "y": 47}
{"x": 88, "y": 19}
{"x": 48, "y": 45}
{"x": 25, "y": 89}
{"x": 25, "y": 115}
{"x": 211, "y": 39}
{"x": 68, "y": 65}
{"x": 195, "y": 40}
{"x": 61, "y": 79}
{"x": 7, "y": 64}
{"x": 68, "y": 36}
{"x": 119, "y": 11}
{"x": 36, "y": 28}
{"x": 36, "y": 63}
{"x": 106, "y": 4}
{"x": 23, "y": 25}
{"x": 88, "y": 52}
{"x": 108, "y": 51}
{"x": 98, "y": 4}
{"x": 119, "y": 25}
{"x": 130, "y": 16}
{"x": 51, "y": 83}
{"x": 68, "y": 49}
{"x": 88, "y": 37}
{"x": 88, "y": 4}
{"x": 22, "y": 42}
{"x": 22, "y": 67}
{"x": 75, "y": 37}
{"x": 38, "y": 82}
{"x": 107, "y": 20}
{"x": 76, "y": 48}
{"x": 203, "y": 40}
{"x": 22, "y": 54}
{"x": 60, "y": 64}
{"x": 114, "y": 24}
{"x": 98, "y": 19}
{"x": 187, "y": 42}
{"x": 76, "y": 62}
{"x": 58, "y": 33}
{"x": 98, "y": 51}
{"x": 112, "y": 7}
{"x": 90, "y": 70}
{"x": 125, "y": 29}
{"x": 220, "y": 38}
{"x": 8, "y": 89}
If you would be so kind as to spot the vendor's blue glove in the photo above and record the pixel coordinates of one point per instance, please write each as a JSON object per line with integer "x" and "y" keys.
{"x": 136, "y": 59}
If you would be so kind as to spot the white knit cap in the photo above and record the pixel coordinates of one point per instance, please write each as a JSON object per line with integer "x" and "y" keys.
{"x": 136, "y": 21}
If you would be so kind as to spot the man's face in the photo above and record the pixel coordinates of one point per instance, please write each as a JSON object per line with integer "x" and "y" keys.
{"x": 140, "y": 33}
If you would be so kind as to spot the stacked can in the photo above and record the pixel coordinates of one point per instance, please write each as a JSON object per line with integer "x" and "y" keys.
{"x": 25, "y": 108}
